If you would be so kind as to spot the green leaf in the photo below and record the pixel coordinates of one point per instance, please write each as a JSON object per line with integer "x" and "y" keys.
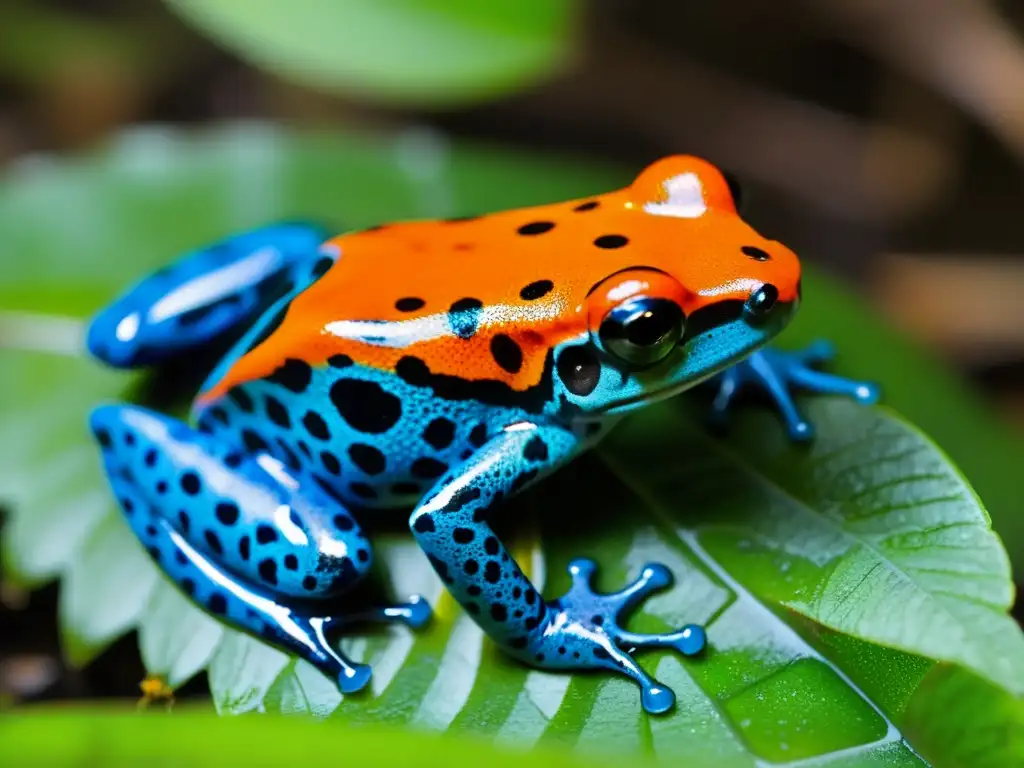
{"x": 845, "y": 585}
{"x": 412, "y": 52}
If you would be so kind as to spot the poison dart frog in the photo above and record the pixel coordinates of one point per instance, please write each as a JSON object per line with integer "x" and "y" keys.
{"x": 442, "y": 367}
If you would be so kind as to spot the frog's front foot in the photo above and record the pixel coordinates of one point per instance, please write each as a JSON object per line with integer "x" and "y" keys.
{"x": 583, "y": 631}
{"x": 777, "y": 373}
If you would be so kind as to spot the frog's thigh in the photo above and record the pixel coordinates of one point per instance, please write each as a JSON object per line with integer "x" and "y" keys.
{"x": 451, "y": 525}
{"x": 235, "y": 533}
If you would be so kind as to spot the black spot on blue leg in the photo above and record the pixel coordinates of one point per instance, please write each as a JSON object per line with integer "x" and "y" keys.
{"x": 536, "y": 449}
{"x": 294, "y": 375}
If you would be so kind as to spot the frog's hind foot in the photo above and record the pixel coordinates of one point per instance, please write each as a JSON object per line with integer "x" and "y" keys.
{"x": 777, "y": 373}
{"x": 414, "y": 614}
{"x": 208, "y": 296}
{"x": 584, "y": 631}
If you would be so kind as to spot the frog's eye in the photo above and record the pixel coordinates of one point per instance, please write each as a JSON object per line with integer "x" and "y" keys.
{"x": 641, "y": 331}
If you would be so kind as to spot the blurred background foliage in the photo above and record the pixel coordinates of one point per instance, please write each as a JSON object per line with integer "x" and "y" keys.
{"x": 884, "y": 141}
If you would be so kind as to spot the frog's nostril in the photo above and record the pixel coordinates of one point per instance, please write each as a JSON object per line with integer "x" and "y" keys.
{"x": 757, "y": 254}
{"x": 762, "y": 300}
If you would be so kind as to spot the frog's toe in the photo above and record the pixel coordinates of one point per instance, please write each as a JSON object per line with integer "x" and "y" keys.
{"x": 354, "y": 678}
{"x": 584, "y": 630}
{"x": 826, "y": 383}
{"x": 416, "y": 613}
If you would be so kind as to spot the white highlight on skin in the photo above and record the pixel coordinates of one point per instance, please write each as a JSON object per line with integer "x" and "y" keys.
{"x": 128, "y": 327}
{"x": 215, "y": 285}
{"x": 276, "y": 470}
{"x": 292, "y": 532}
{"x": 744, "y": 284}
{"x": 685, "y": 198}
{"x": 405, "y": 333}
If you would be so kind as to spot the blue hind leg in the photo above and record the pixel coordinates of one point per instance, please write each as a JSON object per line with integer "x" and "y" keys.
{"x": 255, "y": 546}
{"x": 207, "y": 296}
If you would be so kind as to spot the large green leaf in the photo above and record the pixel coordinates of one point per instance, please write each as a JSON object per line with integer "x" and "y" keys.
{"x": 422, "y": 52}
{"x": 849, "y": 587}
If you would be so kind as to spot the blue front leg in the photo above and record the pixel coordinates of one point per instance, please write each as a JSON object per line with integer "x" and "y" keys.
{"x": 580, "y": 630}
{"x": 208, "y": 295}
{"x": 777, "y": 372}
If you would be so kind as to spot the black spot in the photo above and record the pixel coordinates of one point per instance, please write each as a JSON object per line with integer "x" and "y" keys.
{"x": 213, "y": 542}
{"x": 289, "y": 455}
{"x": 409, "y": 304}
{"x": 428, "y": 468}
{"x": 243, "y": 548}
{"x": 611, "y": 241}
{"x": 363, "y": 555}
{"x": 478, "y": 435}
{"x": 498, "y": 612}
{"x": 597, "y": 621}
{"x": 536, "y": 290}
{"x": 464, "y": 316}
{"x": 536, "y": 228}
{"x": 579, "y": 370}
{"x": 600, "y": 653}
{"x": 424, "y": 524}
{"x": 491, "y": 545}
{"x": 150, "y": 458}
{"x": 277, "y": 413}
{"x": 506, "y": 353}
{"x": 218, "y": 603}
{"x": 265, "y": 534}
{"x": 463, "y": 535}
{"x": 561, "y": 650}
{"x": 268, "y": 571}
{"x": 291, "y": 562}
{"x": 365, "y": 405}
{"x": 241, "y": 398}
{"x": 294, "y": 375}
{"x": 533, "y": 399}
{"x": 188, "y": 586}
{"x": 151, "y": 530}
{"x": 103, "y": 437}
{"x": 530, "y": 596}
{"x": 492, "y": 572}
{"x": 588, "y": 206}
{"x": 540, "y": 657}
{"x": 322, "y": 265}
{"x": 183, "y": 521}
{"x": 227, "y": 513}
{"x": 405, "y": 489}
{"x": 219, "y": 414}
{"x": 517, "y": 642}
{"x": 233, "y": 460}
{"x": 190, "y": 483}
{"x": 316, "y": 426}
{"x": 440, "y": 433}
{"x": 305, "y": 449}
{"x": 531, "y": 623}
{"x": 128, "y": 506}
{"x": 180, "y": 558}
{"x": 253, "y": 442}
{"x": 343, "y": 522}
{"x": 536, "y": 449}
{"x": 309, "y": 583}
{"x": 756, "y": 253}
{"x": 129, "y": 439}
{"x": 363, "y": 490}
{"x": 471, "y": 567}
{"x": 330, "y": 462}
{"x": 472, "y": 608}
{"x": 367, "y": 458}
{"x": 461, "y": 498}
{"x": 339, "y": 361}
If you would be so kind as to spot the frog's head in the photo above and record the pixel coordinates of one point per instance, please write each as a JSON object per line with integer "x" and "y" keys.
{"x": 708, "y": 290}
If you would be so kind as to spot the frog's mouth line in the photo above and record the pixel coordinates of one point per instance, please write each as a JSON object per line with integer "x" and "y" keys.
{"x": 704, "y": 342}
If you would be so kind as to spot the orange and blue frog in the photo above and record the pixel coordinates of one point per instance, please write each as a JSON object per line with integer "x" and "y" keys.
{"x": 440, "y": 367}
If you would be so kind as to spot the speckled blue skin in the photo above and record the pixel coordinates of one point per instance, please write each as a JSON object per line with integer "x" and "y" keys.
{"x": 249, "y": 512}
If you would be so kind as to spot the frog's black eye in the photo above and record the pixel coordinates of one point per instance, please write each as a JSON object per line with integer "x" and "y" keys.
{"x": 642, "y": 331}
{"x": 734, "y": 189}
{"x": 761, "y": 301}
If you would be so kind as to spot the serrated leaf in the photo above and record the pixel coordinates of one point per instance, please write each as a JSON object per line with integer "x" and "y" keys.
{"x": 406, "y": 51}
{"x": 805, "y": 564}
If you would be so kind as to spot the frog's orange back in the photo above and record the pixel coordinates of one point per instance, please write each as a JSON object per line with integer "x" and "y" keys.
{"x": 487, "y": 298}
